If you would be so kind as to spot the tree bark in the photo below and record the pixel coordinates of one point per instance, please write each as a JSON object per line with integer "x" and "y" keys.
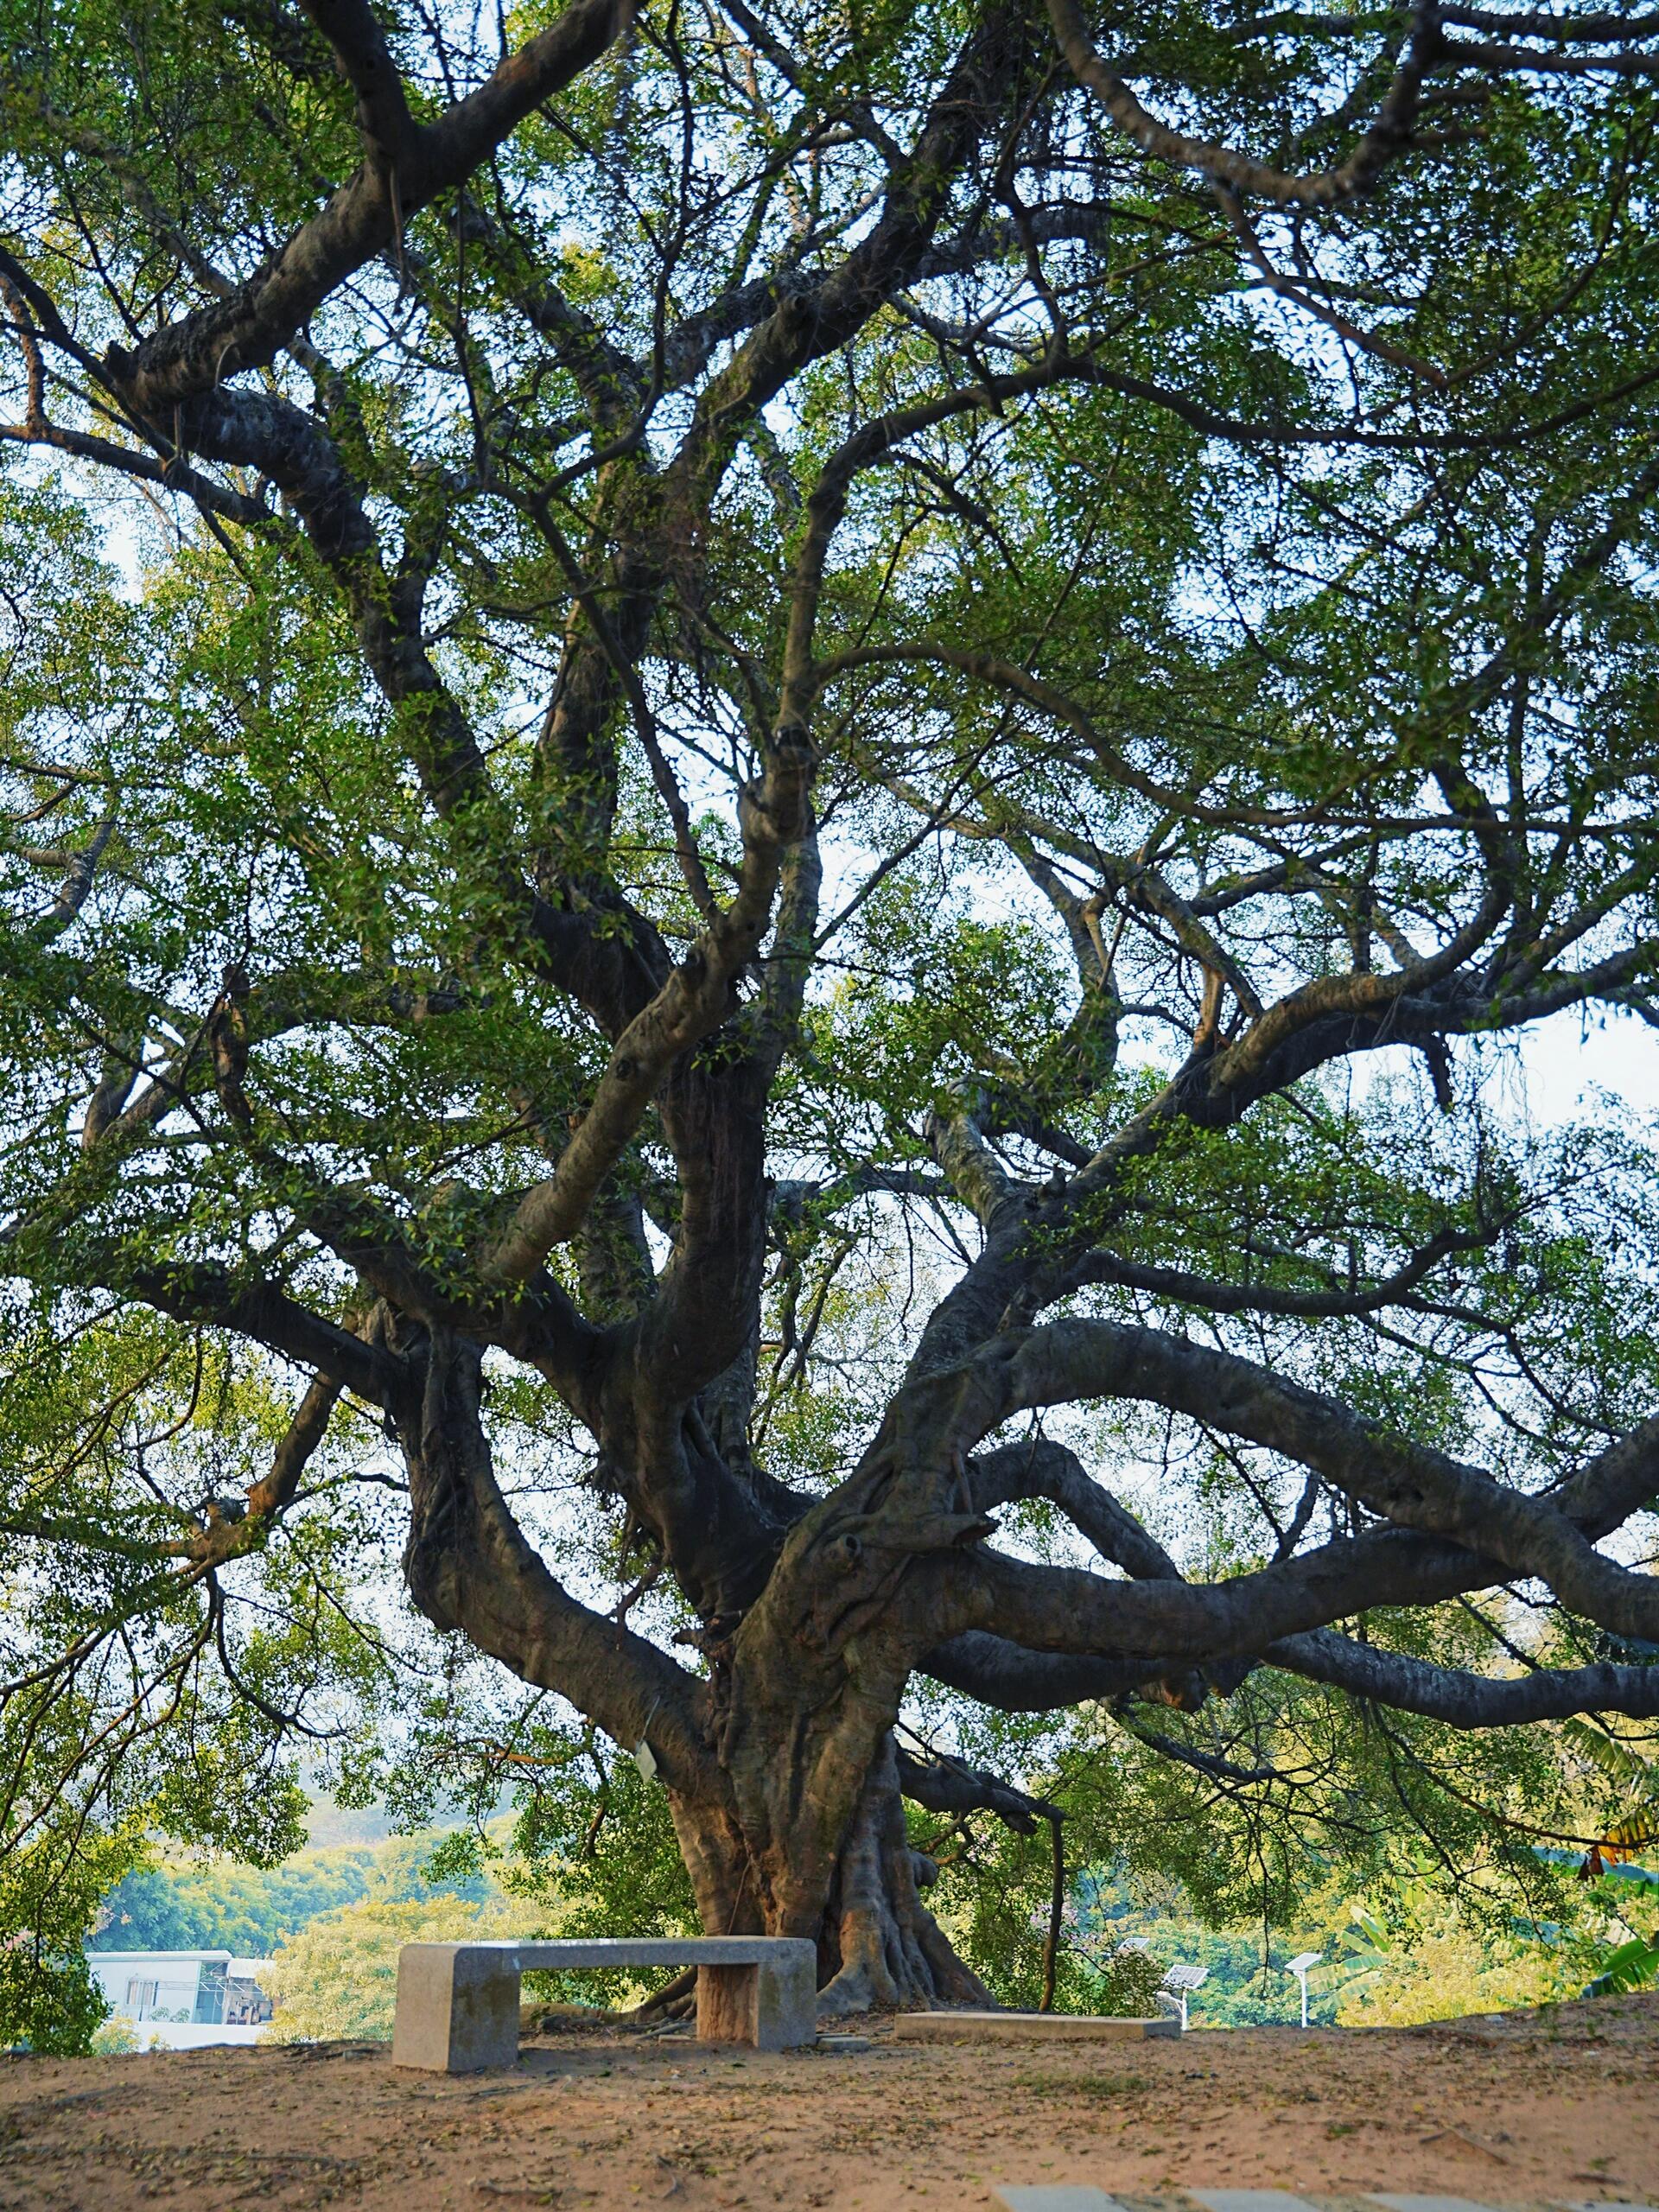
{"x": 886, "y": 1948}
{"x": 880, "y": 1948}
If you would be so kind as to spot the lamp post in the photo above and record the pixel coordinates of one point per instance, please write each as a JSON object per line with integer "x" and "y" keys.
{"x": 1180, "y": 1982}
{"x": 1299, "y": 1967}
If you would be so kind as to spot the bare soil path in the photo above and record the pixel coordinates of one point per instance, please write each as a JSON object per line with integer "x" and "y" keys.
{"x": 1533, "y": 2109}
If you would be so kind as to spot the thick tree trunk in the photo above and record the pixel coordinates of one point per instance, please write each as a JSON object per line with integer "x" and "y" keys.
{"x": 781, "y": 1768}
{"x": 887, "y": 1948}
{"x": 808, "y": 1834}
{"x": 879, "y": 1945}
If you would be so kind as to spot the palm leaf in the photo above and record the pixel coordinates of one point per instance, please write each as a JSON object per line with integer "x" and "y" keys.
{"x": 1637, "y": 1826}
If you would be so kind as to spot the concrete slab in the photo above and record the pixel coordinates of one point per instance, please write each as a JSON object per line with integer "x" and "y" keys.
{"x": 1407, "y": 2203}
{"x": 1249, "y": 2200}
{"x": 1057, "y": 2196}
{"x": 1025, "y": 2027}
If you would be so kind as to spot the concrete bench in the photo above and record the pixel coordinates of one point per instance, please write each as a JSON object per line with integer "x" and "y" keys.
{"x": 458, "y": 2002}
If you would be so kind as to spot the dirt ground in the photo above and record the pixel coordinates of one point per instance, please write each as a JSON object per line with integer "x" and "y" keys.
{"x": 1526, "y": 2109}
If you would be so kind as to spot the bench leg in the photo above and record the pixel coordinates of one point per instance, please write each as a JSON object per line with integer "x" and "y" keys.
{"x": 786, "y": 2005}
{"x": 773, "y": 2007}
{"x": 457, "y": 2008}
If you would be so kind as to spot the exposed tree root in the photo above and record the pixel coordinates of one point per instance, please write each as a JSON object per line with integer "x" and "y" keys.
{"x": 893, "y": 1954}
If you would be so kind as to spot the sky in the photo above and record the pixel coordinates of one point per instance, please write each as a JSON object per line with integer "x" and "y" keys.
{"x": 1571, "y": 1065}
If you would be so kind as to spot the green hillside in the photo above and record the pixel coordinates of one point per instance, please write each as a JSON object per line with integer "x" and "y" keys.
{"x": 191, "y": 1905}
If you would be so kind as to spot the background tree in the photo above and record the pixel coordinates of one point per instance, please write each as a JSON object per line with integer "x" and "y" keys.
{"x": 197, "y": 1905}
{"x": 337, "y": 1977}
{"x": 832, "y": 755}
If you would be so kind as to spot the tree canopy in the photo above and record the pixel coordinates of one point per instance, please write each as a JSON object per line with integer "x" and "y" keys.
{"x": 782, "y": 789}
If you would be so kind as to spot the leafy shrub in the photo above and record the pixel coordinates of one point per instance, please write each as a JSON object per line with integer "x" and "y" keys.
{"x": 1126, "y": 1984}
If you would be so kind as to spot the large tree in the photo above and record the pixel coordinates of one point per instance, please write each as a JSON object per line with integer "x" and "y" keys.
{"x": 671, "y": 671}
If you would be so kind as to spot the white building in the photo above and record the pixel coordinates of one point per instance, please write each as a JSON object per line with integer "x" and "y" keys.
{"x": 184, "y": 1999}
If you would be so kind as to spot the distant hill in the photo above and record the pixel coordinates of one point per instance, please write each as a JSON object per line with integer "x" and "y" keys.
{"x": 328, "y": 1826}
{"x": 219, "y": 1905}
